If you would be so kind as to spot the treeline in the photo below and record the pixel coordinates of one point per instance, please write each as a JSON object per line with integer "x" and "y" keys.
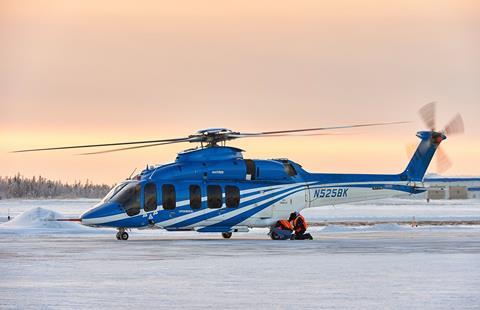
{"x": 19, "y": 186}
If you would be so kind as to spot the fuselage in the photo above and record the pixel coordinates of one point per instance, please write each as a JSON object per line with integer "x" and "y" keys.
{"x": 217, "y": 190}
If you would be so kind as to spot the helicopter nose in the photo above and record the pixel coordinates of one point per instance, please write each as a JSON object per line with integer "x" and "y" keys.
{"x": 100, "y": 214}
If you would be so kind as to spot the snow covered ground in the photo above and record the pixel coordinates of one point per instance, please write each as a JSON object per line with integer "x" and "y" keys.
{"x": 63, "y": 265}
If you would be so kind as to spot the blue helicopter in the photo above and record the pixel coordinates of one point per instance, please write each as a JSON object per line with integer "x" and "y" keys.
{"x": 213, "y": 188}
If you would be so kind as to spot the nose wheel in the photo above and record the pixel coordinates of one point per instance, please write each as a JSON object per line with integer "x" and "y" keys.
{"x": 122, "y": 234}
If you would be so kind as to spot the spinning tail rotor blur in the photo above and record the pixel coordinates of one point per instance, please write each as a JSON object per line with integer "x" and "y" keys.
{"x": 454, "y": 127}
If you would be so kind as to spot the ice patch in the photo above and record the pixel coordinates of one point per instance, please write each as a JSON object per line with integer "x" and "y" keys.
{"x": 339, "y": 228}
{"x": 388, "y": 227}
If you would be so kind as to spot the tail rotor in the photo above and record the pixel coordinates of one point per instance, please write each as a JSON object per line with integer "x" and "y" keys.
{"x": 454, "y": 127}
{"x": 428, "y": 115}
{"x": 443, "y": 161}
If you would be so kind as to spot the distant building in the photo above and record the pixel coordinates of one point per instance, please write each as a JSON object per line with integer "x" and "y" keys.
{"x": 452, "y": 187}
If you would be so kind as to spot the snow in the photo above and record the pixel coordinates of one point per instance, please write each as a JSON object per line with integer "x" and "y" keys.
{"x": 348, "y": 270}
{"x": 62, "y": 265}
{"x": 68, "y": 207}
{"x": 376, "y": 228}
{"x": 40, "y": 220}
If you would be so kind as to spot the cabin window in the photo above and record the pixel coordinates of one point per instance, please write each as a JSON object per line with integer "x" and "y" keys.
{"x": 150, "y": 197}
{"x": 214, "y": 196}
{"x": 168, "y": 197}
{"x": 129, "y": 198}
{"x": 195, "y": 197}
{"x": 232, "y": 196}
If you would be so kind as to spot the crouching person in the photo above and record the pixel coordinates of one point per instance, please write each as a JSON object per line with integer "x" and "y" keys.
{"x": 281, "y": 230}
{"x": 300, "y": 226}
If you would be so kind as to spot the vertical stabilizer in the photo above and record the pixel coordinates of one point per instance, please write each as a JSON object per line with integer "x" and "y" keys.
{"x": 420, "y": 161}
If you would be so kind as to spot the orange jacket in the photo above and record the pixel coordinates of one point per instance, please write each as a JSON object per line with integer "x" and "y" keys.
{"x": 284, "y": 224}
{"x": 299, "y": 223}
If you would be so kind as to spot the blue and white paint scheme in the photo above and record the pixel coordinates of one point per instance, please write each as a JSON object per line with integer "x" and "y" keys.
{"x": 215, "y": 189}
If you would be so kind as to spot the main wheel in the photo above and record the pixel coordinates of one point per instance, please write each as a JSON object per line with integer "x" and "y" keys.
{"x": 227, "y": 235}
{"x": 124, "y": 236}
{"x": 118, "y": 236}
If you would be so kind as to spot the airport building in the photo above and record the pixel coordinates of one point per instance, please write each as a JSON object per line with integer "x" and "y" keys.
{"x": 452, "y": 187}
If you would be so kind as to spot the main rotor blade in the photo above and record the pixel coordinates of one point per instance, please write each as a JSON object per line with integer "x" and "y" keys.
{"x": 427, "y": 112}
{"x": 455, "y": 126}
{"x": 131, "y": 148}
{"x": 102, "y": 145}
{"x": 318, "y": 129}
{"x": 288, "y": 135}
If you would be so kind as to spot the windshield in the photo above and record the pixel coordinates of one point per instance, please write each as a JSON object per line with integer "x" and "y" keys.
{"x": 114, "y": 191}
{"x": 128, "y": 196}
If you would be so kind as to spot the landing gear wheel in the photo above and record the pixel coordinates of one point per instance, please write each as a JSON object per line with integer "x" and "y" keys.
{"x": 124, "y": 235}
{"x": 118, "y": 236}
{"x": 226, "y": 235}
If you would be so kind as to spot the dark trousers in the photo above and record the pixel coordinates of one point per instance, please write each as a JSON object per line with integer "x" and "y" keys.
{"x": 301, "y": 235}
{"x": 300, "y": 232}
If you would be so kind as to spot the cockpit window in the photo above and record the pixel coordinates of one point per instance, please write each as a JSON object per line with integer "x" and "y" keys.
{"x": 129, "y": 198}
{"x": 289, "y": 169}
{"x": 113, "y": 192}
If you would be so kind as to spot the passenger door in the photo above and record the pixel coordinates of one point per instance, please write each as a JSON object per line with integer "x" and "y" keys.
{"x": 295, "y": 202}
{"x": 265, "y": 213}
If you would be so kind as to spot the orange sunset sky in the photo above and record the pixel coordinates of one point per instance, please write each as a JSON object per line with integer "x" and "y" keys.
{"x": 75, "y": 72}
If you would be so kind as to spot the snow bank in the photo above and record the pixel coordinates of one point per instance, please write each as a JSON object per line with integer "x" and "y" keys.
{"x": 42, "y": 220}
{"x": 71, "y": 208}
{"x": 395, "y": 209}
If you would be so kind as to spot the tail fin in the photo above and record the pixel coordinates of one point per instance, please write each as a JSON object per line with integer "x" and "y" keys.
{"x": 420, "y": 161}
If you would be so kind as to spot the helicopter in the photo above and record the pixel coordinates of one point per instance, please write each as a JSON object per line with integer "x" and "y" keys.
{"x": 214, "y": 189}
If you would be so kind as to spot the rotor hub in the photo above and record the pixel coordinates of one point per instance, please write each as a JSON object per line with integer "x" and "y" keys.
{"x": 212, "y": 136}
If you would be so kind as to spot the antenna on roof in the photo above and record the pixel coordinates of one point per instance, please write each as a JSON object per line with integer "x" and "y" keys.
{"x": 131, "y": 174}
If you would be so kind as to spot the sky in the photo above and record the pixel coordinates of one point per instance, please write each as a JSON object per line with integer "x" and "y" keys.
{"x": 76, "y": 72}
